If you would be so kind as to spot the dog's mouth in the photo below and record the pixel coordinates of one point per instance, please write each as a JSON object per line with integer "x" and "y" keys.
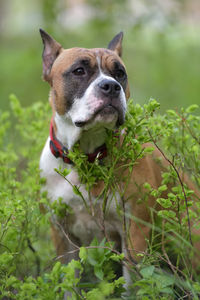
{"x": 107, "y": 110}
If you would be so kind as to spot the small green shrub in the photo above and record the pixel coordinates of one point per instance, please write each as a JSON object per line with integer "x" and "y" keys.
{"x": 28, "y": 266}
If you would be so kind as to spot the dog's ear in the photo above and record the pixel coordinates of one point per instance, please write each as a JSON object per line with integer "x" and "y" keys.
{"x": 51, "y": 50}
{"x": 116, "y": 44}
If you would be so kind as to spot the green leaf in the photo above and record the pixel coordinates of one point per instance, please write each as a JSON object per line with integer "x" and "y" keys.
{"x": 164, "y": 281}
{"x": 162, "y": 188}
{"x": 172, "y": 113}
{"x": 15, "y": 105}
{"x": 66, "y": 172}
{"x": 154, "y": 193}
{"x": 56, "y": 267}
{"x": 167, "y": 290}
{"x": 95, "y": 294}
{"x": 98, "y": 272}
{"x": 149, "y": 149}
{"x": 167, "y": 214}
{"x": 120, "y": 281}
{"x": 76, "y": 191}
{"x": 83, "y": 254}
{"x": 12, "y": 281}
{"x": 166, "y": 203}
{"x": 147, "y": 272}
{"x": 192, "y": 108}
{"x": 196, "y": 286}
{"x": 147, "y": 186}
{"x": 117, "y": 257}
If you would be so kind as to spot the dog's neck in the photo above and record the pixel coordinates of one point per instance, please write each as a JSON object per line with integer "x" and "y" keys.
{"x": 69, "y": 134}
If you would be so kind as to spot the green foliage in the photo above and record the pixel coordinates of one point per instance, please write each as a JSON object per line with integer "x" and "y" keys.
{"x": 28, "y": 269}
{"x": 156, "y": 61}
{"x": 154, "y": 284}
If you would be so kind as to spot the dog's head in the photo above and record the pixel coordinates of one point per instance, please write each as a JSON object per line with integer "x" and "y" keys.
{"x": 89, "y": 86}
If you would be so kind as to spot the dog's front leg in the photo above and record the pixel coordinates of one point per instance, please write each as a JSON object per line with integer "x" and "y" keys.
{"x": 66, "y": 247}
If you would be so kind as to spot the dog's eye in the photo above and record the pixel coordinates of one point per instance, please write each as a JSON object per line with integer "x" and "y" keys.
{"x": 120, "y": 74}
{"x": 79, "y": 71}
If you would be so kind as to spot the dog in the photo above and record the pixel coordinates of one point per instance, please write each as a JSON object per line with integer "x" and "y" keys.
{"x": 88, "y": 94}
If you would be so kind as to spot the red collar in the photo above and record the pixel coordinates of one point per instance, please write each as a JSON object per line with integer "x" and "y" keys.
{"x": 59, "y": 150}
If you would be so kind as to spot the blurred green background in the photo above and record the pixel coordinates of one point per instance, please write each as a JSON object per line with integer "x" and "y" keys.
{"x": 161, "y": 44}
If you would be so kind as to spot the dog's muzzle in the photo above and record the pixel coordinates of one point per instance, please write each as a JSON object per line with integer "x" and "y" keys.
{"x": 110, "y": 91}
{"x": 107, "y": 97}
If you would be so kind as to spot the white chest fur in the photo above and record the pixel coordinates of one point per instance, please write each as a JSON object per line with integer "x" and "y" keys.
{"x": 87, "y": 223}
{"x": 56, "y": 185}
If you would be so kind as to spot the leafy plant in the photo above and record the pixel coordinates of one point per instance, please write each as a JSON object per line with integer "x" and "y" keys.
{"x": 28, "y": 266}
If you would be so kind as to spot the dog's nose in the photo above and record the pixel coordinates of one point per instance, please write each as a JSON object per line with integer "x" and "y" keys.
{"x": 109, "y": 87}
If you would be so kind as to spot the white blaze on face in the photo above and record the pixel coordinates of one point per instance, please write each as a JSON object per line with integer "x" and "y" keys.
{"x": 85, "y": 108}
